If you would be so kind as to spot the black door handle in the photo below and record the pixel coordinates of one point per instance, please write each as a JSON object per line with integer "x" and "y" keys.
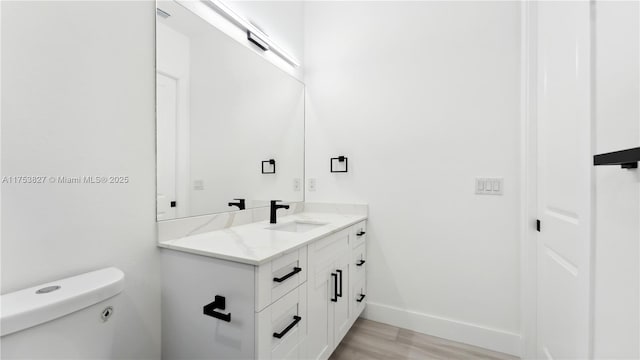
{"x": 340, "y": 293}
{"x": 335, "y": 287}
{"x": 360, "y": 263}
{"x": 219, "y": 303}
{"x": 296, "y": 320}
{"x": 281, "y": 279}
{"x": 361, "y": 298}
{"x": 361, "y": 233}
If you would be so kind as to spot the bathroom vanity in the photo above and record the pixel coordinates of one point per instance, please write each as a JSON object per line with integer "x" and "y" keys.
{"x": 261, "y": 291}
{"x": 230, "y": 139}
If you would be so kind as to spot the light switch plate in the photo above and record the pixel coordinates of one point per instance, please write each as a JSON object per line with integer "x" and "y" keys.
{"x": 489, "y": 186}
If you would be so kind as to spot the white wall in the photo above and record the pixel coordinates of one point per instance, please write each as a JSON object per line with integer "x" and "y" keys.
{"x": 423, "y": 97}
{"x": 78, "y": 99}
{"x": 617, "y": 106}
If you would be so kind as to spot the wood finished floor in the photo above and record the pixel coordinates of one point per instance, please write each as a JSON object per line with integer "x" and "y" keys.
{"x": 373, "y": 340}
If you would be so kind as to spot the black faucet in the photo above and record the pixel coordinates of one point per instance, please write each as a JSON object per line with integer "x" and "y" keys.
{"x": 275, "y": 207}
{"x": 240, "y": 204}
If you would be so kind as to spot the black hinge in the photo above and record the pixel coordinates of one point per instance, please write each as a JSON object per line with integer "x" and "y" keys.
{"x": 173, "y": 204}
{"x": 538, "y": 225}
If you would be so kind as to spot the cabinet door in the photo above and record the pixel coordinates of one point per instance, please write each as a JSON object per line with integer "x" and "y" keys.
{"x": 342, "y": 320}
{"x": 189, "y": 282}
{"x": 321, "y": 284}
{"x": 320, "y": 287}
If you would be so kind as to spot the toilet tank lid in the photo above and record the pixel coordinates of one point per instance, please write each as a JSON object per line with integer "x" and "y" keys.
{"x": 36, "y": 305}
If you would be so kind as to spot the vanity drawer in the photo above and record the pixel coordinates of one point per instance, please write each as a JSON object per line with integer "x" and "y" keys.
{"x": 282, "y": 326}
{"x": 278, "y": 277}
{"x": 358, "y": 261}
{"x": 358, "y": 297}
{"x": 358, "y": 234}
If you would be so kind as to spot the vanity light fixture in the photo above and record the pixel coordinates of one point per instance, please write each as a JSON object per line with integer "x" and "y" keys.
{"x": 257, "y": 41}
{"x": 254, "y": 34}
{"x": 163, "y": 14}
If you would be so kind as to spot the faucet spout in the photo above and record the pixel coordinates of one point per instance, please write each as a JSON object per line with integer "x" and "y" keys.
{"x": 274, "y": 207}
{"x": 240, "y": 204}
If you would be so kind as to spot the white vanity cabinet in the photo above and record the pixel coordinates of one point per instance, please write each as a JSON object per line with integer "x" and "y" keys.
{"x": 254, "y": 312}
{"x": 335, "y": 288}
{"x": 298, "y": 305}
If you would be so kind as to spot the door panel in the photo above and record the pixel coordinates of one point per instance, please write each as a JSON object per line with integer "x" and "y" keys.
{"x": 341, "y": 313}
{"x": 167, "y": 107}
{"x": 564, "y": 178}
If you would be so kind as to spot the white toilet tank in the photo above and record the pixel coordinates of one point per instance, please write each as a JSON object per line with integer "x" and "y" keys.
{"x": 72, "y": 318}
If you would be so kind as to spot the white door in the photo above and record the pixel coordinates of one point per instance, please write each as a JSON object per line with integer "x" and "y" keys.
{"x": 564, "y": 179}
{"x": 166, "y": 124}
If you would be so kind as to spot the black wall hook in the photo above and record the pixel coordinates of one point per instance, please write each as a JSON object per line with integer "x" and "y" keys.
{"x": 271, "y": 162}
{"x": 340, "y": 159}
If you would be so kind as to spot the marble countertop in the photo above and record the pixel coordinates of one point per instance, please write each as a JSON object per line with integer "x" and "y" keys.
{"x": 256, "y": 243}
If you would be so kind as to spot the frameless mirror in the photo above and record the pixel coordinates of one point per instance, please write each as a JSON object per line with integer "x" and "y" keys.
{"x": 230, "y": 124}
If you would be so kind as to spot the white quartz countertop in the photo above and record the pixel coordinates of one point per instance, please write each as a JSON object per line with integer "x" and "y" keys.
{"x": 256, "y": 243}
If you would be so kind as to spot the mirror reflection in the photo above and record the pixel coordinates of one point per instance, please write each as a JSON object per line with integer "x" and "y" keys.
{"x": 230, "y": 124}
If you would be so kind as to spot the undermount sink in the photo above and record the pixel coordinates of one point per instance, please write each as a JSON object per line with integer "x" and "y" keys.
{"x": 297, "y": 226}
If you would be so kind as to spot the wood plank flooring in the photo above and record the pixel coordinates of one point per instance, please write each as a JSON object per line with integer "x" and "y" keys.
{"x": 370, "y": 340}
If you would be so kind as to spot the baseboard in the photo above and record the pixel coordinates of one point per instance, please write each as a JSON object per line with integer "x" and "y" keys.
{"x": 472, "y": 334}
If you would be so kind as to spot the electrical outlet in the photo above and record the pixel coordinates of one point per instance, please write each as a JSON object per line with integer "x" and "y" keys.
{"x": 198, "y": 184}
{"x": 489, "y": 186}
{"x": 296, "y": 184}
{"x": 312, "y": 184}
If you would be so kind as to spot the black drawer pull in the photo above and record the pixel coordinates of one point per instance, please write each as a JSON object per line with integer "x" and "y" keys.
{"x": 361, "y": 298}
{"x": 281, "y": 279}
{"x": 361, "y": 233}
{"x": 335, "y": 287}
{"x": 296, "y": 320}
{"x": 360, "y": 263}
{"x": 340, "y": 293}
{"x": 219, "y": 303}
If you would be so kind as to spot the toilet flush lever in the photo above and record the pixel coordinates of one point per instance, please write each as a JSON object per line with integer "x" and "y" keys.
{"x": 219, "y": 303}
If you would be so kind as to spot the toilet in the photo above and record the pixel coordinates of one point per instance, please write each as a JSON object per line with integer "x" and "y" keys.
{"x": 72, "y": 318}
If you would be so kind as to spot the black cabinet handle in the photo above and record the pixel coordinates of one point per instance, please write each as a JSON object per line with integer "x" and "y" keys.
{"x": 281, "y": 279}
{"x": 362, "y": 296}
{"x": 340, "y": 293}
{"x": 361, "y": 233}
{"x": 296, "y": 320}
{"x": 335, "y": 287}
{"x": 219, "y": 303}
{"x": 360, "y": 263}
